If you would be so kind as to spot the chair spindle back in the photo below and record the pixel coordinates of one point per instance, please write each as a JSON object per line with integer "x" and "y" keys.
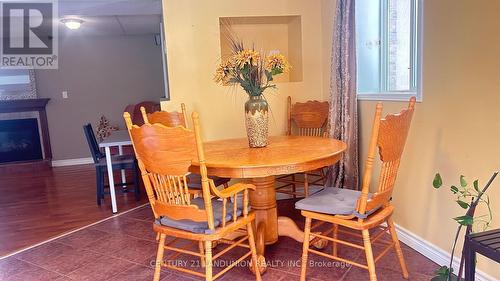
{"x": 164, "y": 155}
{"x": 169, "y": 119}
{"x": 389, "y": 135}
{"x": 92, "y": 142}
{"x": 310, "y": 118}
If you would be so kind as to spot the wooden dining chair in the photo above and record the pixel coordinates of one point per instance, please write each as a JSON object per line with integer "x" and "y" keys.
{"x": 305, "y": 119}
{"x": 135, "y": 113}
{"x": 165, "y": 155}
{"x": 167, "y": 118}
{"x": 361, "y": 210}
{"x": 174, "y": 119}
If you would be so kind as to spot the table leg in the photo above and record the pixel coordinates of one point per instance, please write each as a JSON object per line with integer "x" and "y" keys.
{"x": 124, "y": 178}
{"x": 263, "y": 202}
{"x": 109, "y": 166}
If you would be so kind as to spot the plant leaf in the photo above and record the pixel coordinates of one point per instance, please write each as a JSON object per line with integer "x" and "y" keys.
{"x": 476, "y": 186}
{"x": 454, "y": 189}
{"x": 463, "y": 204}
{"x": 438, "y": 181}
{"x": 269, "y": 76}
{"x": 276, "y": 71}
{"x": 463, "y": 183}
{"x": 443, "y": 272}
{"x": 465, "y": 220}
{"x": 453, "y": 277}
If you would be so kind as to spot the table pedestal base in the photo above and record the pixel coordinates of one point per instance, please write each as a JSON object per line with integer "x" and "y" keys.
{"x": 287, "y": 227}
{"x": 263, "y": 203}
{"x": 268, "y": 225}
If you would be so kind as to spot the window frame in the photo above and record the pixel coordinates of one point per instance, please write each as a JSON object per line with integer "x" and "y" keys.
{"x": 416, "y": 59}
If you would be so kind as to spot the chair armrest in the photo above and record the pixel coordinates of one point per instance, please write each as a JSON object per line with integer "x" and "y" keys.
{"x": 232, "y": 190}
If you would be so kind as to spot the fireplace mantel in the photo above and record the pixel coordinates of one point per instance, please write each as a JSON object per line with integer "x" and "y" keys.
{"x": 23, "y": 105}
{"x": 29, "y": 105}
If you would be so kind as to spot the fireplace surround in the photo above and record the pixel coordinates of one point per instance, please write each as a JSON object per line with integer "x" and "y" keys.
{"x": 27, "y": 117}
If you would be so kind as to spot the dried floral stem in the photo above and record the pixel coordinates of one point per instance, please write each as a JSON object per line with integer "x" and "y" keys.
{"x": 248, "y": 68}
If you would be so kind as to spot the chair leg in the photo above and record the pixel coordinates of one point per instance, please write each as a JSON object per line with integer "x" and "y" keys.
{"x": 99, "y": 185}
{"x": 294, "y": 188}
{"x": 397, "y": 246}
{"x": 253, "y": 248}
{"x": 159, "y": 257}
{"x": 201, "y": 247}
{"x": 470, "y": 262}
{"x": 369, "y": 254}
{"x": 335, "y": 236}
{"x": 208, "y": 261}
{"x": 137, "y": 188}
{"x": 306, "y": 185}
{"x": 305, "y": 249}
{"x": 323, "y": 176}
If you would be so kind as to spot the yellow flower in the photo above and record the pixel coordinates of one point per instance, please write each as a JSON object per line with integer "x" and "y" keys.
{"x": 223, "y": 72}
{"x": 246, "y": 57}
{"x": 277, "y": 62}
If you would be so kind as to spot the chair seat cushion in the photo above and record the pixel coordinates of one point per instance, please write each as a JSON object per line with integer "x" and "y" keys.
{"x": 333, "y": 201}
{"x": 202, "y": 227}
{"x": 194, "y": 181}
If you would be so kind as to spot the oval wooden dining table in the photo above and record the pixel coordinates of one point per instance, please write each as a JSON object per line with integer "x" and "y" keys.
{"x": 283, "y": 155}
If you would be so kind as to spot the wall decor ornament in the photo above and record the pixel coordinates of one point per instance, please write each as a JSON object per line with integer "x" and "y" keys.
{"x": 104, "y": 129}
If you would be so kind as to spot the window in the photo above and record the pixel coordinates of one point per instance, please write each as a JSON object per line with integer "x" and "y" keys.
{"x": 389, "y": 49}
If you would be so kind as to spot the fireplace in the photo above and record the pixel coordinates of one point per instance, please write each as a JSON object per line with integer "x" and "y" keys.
{"x": 20, "y": 140}
{"x": 24, "y": 136}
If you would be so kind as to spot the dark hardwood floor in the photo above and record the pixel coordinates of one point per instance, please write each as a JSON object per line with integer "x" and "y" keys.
{"x": 37, "y": 206}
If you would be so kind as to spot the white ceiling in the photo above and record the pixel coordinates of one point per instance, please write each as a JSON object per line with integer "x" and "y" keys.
{"x": 112, "y": 17}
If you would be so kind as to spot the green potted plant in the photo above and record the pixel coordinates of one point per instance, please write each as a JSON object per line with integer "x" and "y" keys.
{"x": 467, "y": 197}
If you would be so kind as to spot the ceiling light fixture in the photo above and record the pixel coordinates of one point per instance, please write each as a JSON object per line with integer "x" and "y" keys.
{"x": 72, "y": 23}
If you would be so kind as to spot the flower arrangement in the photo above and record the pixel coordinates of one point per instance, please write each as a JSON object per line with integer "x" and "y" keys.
{"x": 250, "y": 69}
{"x": 254, "y": 73}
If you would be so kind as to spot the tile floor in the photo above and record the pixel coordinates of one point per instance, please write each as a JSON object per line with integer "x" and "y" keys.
{"x": 123, "y": 248}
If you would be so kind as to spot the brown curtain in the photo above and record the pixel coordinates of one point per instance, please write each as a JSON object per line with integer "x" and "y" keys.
{"x": 343, "y": 117}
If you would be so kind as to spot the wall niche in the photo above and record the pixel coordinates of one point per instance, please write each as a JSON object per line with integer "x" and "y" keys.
{"x": 267, "y": 34}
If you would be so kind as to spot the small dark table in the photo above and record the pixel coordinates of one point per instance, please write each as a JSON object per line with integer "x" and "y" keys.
{"x": 485, "y": 243}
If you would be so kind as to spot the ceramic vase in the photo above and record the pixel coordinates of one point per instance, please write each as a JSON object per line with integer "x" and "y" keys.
{"x": 257, "y": 121}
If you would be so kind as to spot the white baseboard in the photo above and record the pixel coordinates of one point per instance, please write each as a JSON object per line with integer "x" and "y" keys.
{"x": 72, "y": 162}
{"x": 434, "y": 253}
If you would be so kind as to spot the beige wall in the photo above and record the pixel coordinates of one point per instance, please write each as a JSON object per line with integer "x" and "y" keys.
{"x": 455, "y": 130}
{"x": 327, "y": 21}
{"x": 102, "y": 75}
{"x": 193, "y": 43}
